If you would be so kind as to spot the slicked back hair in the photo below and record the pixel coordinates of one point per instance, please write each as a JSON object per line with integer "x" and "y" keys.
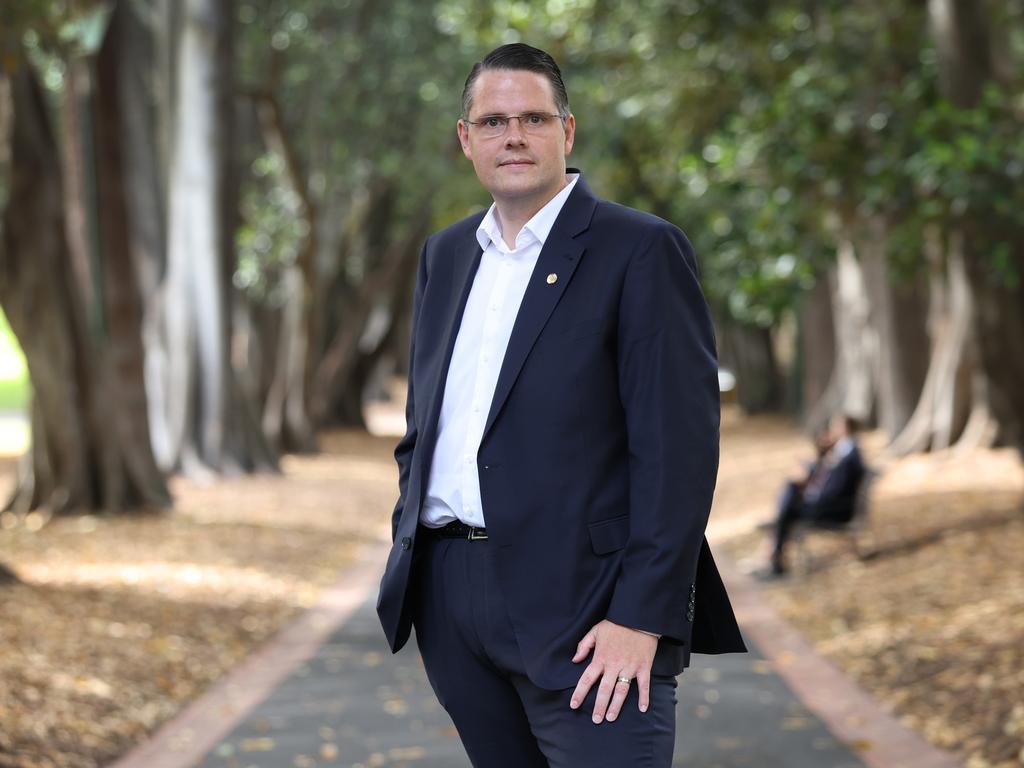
{"x": 852, "y": 425}
{"x": 518, "y": 56}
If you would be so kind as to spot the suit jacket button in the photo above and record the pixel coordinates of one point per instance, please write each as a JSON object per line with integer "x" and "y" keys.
{"x": 406, "y": 542}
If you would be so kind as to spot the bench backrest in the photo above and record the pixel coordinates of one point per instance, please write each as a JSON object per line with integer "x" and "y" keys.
{"x": 861, "y": 498}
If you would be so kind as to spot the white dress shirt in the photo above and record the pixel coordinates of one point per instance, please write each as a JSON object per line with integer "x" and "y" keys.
{"x": 842, "y": 447}
{"x": 453, "y": 491}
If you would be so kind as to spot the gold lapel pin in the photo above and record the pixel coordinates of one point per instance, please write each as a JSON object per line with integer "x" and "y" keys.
{"x": 552, "y": 278}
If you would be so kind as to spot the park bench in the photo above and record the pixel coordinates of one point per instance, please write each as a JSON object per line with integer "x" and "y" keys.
{"x": 850, "y": 531}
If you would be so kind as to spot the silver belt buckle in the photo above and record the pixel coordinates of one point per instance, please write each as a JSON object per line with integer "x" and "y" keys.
{"x": 475, "y": 534}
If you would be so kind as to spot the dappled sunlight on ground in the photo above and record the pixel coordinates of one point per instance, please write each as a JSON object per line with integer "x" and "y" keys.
{"x": 119, "y": 621}
{"x": 931, "y": 621}
{"x": 217, "y": 585}
{"x": 991, "y": 471}
{"x": 87, "y": 672}
{"x": 349, "y": 488}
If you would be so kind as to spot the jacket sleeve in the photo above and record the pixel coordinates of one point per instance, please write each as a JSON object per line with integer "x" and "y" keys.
{"x": 668, "y": 383}
{"x": 406, "y": 446}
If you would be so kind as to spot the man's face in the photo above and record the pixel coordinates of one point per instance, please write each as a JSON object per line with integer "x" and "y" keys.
{"x": 517, "y": 166}
{"x": 838, "y": 430}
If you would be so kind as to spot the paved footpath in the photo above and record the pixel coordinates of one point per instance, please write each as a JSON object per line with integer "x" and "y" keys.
{"x": 330, "y": 693}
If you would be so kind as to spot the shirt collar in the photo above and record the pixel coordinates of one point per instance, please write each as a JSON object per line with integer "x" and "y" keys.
{"x": 843, "y": 446}
{"x": 538, "y": 227}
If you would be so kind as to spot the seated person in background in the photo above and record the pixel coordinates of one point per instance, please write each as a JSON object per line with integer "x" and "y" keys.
{"x": 827, "y": 493}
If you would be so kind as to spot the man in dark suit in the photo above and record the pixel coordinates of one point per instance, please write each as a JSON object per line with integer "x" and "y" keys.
{"x": 827, "y": 494}
{"x": 560, "y": 459}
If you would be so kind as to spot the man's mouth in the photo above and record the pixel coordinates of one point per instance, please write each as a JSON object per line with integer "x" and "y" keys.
{"x": 516, "y": 162}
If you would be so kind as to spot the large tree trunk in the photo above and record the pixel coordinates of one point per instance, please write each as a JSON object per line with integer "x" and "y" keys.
{"x": 898, "y": 311}
{"x": 816, "y": 348}
{"x": 852, "y": 386}
{"x": 945, "y": 403}
{"x": 196, "y": 317}
{"x": 123, "y": 372}
{"x": 145, "y": 91}
{"x": 747, "y": 350}
{"x": 286, "y": 420}
{"x": 353, "y": 352}
{"x": 968, "y": 60}
{"x": 387, "y": 324}
{"x": 87, "y": 451}
{"x": 34, "y": 267}
{"x": 210, "y": 426}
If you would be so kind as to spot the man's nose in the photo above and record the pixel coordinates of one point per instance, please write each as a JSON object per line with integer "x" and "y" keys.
{"x": 514, "y": 134}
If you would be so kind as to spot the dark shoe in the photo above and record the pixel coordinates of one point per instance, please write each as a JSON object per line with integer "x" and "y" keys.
{"x": 7, "y": 576}
{"x": 772, "y": 572}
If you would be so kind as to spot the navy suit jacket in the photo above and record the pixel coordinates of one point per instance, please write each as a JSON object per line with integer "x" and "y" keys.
{"x": 835, "y": 501}
{"x": 600, "y": 451}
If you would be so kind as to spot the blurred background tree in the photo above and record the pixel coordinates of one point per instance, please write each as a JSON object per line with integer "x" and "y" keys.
{"x": 67, "y": 278}
{"x": 211, "y": 211}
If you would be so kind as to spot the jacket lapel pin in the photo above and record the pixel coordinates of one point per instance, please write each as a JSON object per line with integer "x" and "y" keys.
{"x": 552, "y": 278}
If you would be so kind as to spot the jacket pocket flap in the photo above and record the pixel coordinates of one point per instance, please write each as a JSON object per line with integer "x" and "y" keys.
{"x": 579, "y": 328}
{"x": 609, "y": 535}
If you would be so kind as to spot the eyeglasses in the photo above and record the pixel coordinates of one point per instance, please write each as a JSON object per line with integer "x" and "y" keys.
{"x": 493, "y": 126}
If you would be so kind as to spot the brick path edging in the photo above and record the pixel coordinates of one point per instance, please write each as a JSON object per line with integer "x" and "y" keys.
{"x": 187, "y": 737}
{"x": 856, "y": 718}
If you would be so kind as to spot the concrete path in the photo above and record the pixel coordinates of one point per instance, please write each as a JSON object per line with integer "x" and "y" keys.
{"x": 358, "y": 704}
{"x": 328, "y": 692}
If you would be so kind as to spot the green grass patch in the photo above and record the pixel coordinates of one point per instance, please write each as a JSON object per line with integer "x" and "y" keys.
{"x": 14, "y": 395}
{"x": 14, "y": 384}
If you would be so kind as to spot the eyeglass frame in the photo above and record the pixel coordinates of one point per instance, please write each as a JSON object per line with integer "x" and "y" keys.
{"x": 519, "y": 117}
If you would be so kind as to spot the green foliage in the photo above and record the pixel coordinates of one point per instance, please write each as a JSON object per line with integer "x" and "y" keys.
{"x": 70, "y": 28}
{"x": 370, "y": 96}
{"x": 272, "y": 234}
{"x": 968, "y": 170}
{"x": 768, "y": 131}
{"x": 51, "y": 33}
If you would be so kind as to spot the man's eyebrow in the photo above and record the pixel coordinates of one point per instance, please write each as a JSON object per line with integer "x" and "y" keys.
{"x": 506, "y": 114}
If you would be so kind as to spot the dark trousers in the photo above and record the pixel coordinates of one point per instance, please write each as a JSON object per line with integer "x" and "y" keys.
{"x": 475, "y": 667}
{"x": 792, "y": 508}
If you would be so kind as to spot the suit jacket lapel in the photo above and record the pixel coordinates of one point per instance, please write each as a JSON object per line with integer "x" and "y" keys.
{"x": 560, "y": 256}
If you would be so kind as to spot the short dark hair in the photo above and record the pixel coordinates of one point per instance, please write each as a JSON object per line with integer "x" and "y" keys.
{"x": 518, "y": 56}
{"x": 851, "y": 424}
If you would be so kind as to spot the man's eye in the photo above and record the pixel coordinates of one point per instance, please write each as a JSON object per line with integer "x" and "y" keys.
{"x": 494, "y": 122}
{"x": 535, "y": 119}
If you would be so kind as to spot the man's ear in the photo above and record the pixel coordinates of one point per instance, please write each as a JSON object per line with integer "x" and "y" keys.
{"x": 463, "y": 131}
{"x": 570, "y": 133}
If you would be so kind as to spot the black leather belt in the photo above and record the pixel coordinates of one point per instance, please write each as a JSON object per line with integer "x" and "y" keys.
{"x": 455, "y": 530}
